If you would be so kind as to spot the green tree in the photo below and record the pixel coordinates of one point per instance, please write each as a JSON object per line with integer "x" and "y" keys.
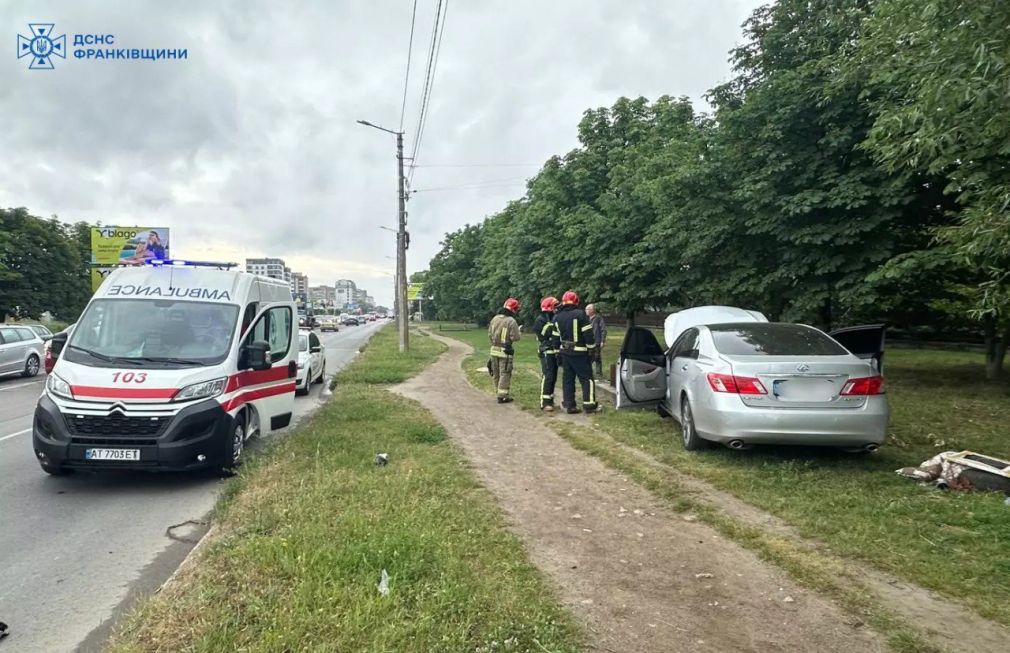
{"x": 939, "y": 82}
{"x": 45, "y": 271}
{"x": 452, "y": 274}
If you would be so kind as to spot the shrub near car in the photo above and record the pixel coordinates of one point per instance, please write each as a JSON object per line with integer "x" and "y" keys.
{"x": 731, "y": 377}
{"x": 170, "y": 367}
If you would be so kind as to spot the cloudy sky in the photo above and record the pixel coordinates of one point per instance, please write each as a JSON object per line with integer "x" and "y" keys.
{"x": 250, "y": 147}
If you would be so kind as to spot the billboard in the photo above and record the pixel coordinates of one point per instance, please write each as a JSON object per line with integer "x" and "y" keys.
{"x": 112, "y": 246}
{"x": 414, "y": 291}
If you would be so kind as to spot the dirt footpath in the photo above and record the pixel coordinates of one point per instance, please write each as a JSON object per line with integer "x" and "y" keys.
{"x": 638, "y": 575}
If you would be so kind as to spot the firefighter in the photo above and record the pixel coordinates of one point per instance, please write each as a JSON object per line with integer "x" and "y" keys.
{"x": 548, "y": 342}
{"x": 576, "y": 342}
{"x": 503, "y": 332}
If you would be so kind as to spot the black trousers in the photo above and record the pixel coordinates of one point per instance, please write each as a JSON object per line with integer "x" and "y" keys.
{"x": 548, "y": 378}
{"x": 578, "y": 365}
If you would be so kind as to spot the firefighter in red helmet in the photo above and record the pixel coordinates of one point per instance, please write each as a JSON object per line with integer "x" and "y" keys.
{"x": 547, "y": 348}
{"x": 575, "y": 331}
{"x": 503, "y": 332}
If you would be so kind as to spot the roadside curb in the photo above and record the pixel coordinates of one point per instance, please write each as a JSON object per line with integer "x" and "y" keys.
{"x": 188, "y": 560}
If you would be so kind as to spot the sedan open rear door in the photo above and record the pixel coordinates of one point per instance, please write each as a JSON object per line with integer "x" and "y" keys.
{"x": 641, "y": 375}
{"x": 865, "y": 341}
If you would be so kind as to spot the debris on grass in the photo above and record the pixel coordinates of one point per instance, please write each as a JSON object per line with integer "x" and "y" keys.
{"x": 382, "y": 459}
{"x": 965, "y": 470}
{"x": 384, "y": 583}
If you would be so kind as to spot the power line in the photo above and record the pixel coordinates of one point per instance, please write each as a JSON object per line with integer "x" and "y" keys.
{"x": 434, "y": 48}
{"x": 406, "y": 76}
{"x": 486, "y": 183}
{"x": 478, "y": 165}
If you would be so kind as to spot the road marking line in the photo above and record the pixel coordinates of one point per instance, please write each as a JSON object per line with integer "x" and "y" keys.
{"x": 20, "y": 385}
{"x": 14, "y": 435}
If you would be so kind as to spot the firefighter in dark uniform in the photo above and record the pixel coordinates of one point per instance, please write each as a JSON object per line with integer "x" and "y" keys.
{"x": 575, "y": 331}
{"x": 548, "y": 343}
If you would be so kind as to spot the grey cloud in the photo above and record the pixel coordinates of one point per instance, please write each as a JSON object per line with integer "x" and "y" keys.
{"x": 250, "y": 145}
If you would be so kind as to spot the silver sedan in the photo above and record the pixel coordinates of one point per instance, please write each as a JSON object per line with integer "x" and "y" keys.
{"x": 756, "y": 382}
{"x": 21, "y": 351}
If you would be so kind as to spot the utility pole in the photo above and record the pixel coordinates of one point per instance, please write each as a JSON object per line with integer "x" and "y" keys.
{"x": 401, "y": 241}
{"x": 401, "y": 250}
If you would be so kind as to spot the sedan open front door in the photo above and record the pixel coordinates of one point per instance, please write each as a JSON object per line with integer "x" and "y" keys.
{"x": 865, "y": 341}
{"x": 641, "y": 375}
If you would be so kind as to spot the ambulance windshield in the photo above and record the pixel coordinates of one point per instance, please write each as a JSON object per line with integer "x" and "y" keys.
{"x": 159, "y": 332}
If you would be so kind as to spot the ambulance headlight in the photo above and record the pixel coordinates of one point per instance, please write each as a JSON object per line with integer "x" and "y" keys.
{"x": 57, "y": 386}
{"x": 202, "y": 390}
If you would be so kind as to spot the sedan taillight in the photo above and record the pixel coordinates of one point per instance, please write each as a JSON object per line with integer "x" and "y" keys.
{"x": 864, "y": 386}
{"x": 738, "y": 385}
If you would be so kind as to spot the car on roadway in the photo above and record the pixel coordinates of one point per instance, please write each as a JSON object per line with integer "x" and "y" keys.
{"x": 311, "y": 362}
{"x": 328, "y": 323}
{"x": 42, "y": 331}
{"x": 350, "y": 320}
{"x": 730, "y": 376}
{"x": 21, "y": 350}
{"x": 50, "y": 358}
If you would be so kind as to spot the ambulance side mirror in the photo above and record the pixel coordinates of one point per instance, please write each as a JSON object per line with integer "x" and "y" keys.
{"x": 257, "y": 355}
{"x": 57, "y": 343}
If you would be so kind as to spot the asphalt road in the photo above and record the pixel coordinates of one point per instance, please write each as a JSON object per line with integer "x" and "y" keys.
{"x": 75, "y": 551}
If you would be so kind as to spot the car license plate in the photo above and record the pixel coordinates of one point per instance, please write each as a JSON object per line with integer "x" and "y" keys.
{"x": 805, "y": 389}
{"x": 112, "y": 454}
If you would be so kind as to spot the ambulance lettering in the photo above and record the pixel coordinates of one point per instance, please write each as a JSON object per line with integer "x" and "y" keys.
{"x": 130, "y": 290}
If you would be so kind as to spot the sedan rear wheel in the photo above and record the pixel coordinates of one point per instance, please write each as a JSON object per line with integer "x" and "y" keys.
{"x": 689, "y": 434}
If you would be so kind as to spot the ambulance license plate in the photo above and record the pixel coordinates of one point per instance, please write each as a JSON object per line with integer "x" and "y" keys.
{"x": 112, "y": 454}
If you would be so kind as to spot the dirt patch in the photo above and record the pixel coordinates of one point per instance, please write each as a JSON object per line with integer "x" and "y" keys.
{"x": 638, "y": 575}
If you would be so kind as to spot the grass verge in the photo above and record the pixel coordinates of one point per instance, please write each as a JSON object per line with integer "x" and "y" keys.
{"x": 954, "y": 543}
{"x": 307, "y": 528}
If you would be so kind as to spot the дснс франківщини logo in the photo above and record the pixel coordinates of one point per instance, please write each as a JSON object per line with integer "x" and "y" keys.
{"x": 41, "y": 46}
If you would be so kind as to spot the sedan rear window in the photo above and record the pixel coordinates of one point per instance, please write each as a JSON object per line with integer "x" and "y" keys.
{"x": 764, "y": 339}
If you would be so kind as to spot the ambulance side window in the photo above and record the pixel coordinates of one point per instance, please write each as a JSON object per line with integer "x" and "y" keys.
{"x": 275, "y": 327}
{"x": 279, "y": 332}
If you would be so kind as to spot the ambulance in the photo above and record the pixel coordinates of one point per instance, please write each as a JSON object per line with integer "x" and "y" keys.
{"x": 173, "y": 366}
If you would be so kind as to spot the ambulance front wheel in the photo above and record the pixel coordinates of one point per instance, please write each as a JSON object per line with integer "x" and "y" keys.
{"x": 235, "y": 446}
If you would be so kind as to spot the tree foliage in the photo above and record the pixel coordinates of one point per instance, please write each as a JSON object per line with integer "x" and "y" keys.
{"x": 44, "y": 266}
{"x": 851, "y": 135}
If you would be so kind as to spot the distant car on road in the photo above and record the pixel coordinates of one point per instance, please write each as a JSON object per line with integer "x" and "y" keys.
{"x": 21, "y": 351}
{"x": 50, "y": 360}
{"x": 311, "y": 362}
{"x": 350, "y": 320}
{"x": 730, "y": 376}
{"x": 328, "y": 323}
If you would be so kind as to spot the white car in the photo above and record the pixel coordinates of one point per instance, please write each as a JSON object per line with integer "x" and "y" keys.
{"x": 311, "y": 361}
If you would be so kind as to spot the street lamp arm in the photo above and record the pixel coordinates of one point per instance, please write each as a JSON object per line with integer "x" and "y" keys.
{"x": 368, "y": 124}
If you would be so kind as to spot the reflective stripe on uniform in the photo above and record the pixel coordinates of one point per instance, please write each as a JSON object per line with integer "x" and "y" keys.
{"x": 546, "y": 328}
{"x": 504, "y": 334}
{"x": 498, "y": 352}
{"x": 588, "y": 327}
{"x": 575, "y": 330}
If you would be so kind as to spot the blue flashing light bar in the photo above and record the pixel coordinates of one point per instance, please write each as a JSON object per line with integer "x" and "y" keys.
{"x": 180, "y": 263}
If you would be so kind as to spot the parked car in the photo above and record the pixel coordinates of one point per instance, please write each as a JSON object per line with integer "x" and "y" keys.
{"x": 50, "y": 357}
{"x": 729, "y": 376}
{"x": 41, "y": 331}
{"x": 328, "y": 323}
{"x": 21, "y": 351}
{"x": 311, "y": 362}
